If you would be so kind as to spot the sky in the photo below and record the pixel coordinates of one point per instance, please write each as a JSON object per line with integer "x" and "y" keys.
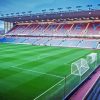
{"x": 9, "y": 6}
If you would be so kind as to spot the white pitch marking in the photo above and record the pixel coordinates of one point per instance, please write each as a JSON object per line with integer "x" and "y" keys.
{"x": 38, "y": 72}
{"x": 51, "y": 87}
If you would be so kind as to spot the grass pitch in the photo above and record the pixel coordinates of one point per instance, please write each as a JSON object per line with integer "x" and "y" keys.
{"x": 28, "y": 71}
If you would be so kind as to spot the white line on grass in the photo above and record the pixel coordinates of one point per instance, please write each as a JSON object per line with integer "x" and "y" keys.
{"x": 37, "y": 72}
{"x": 51, "y": 87}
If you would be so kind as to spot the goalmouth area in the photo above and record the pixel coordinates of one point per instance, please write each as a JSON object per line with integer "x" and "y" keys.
{"x": 40, "y": 72}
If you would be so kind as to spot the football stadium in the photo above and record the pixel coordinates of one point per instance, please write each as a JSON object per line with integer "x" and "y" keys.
{"x": 50, "y": 55}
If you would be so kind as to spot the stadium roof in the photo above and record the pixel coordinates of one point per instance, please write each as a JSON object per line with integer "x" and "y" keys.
{"x": 54, "y": 16}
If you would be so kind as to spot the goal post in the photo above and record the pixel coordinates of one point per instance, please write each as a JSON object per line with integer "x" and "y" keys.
{"x": 79, "y": 67}
{"x": 82, "y": 65}
{"x": 91, "y": 58}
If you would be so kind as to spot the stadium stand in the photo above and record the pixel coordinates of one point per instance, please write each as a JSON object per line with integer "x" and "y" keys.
{"x": 80, "y": 33}
{"x": 94, "y": 94}
{"x": 93, "y": 29}
{"x": 98, "y": 45}
{"x": 54, "y": 34}
{"x": 79, "y": 29}
{"x": 52, "y": 41}
{"x": 88, "y": 44}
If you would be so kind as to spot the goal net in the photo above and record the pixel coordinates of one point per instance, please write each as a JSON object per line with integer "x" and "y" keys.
{"x": 79, "y": 67}
{"x": 91, "y": 58}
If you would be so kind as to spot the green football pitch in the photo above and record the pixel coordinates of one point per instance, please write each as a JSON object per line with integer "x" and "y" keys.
{"x": 28, "y": 72}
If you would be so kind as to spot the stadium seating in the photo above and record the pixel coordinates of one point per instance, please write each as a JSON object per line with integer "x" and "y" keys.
{"x": 54, "y": 42}
{"x": 88, "y": 44}
{"x": 93, "y": 29}
{"x": 98, "y": 47}
{"x": 94, "y": 94}
{"x": 78, "y": 29}
{"x": 50, "y": 41}
{"x": 70, "y": 43}
{"x": 55, "y": 34}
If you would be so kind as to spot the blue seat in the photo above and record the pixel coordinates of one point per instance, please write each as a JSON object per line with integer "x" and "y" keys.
{"x": 94, "y": 94}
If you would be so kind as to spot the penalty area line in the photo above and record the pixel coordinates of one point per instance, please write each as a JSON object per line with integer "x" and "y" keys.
{"x": 48, "y": 89}
{"x": 51, "y": 87}
{"x": 38, "y": 72}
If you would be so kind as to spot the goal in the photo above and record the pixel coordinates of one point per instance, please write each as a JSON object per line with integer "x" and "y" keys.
{"x": 79, "y": 67}
{"x": 91, "y": 58}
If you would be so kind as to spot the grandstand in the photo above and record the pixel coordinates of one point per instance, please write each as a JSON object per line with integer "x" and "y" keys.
{"x": 83, "y": 32}
{"x": 56, "y": 29}
{"x": 94, "y": 94}
{"x": 42, "y": 49}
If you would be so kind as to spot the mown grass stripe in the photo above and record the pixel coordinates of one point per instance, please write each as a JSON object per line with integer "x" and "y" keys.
{"x": 18, "y": 83}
